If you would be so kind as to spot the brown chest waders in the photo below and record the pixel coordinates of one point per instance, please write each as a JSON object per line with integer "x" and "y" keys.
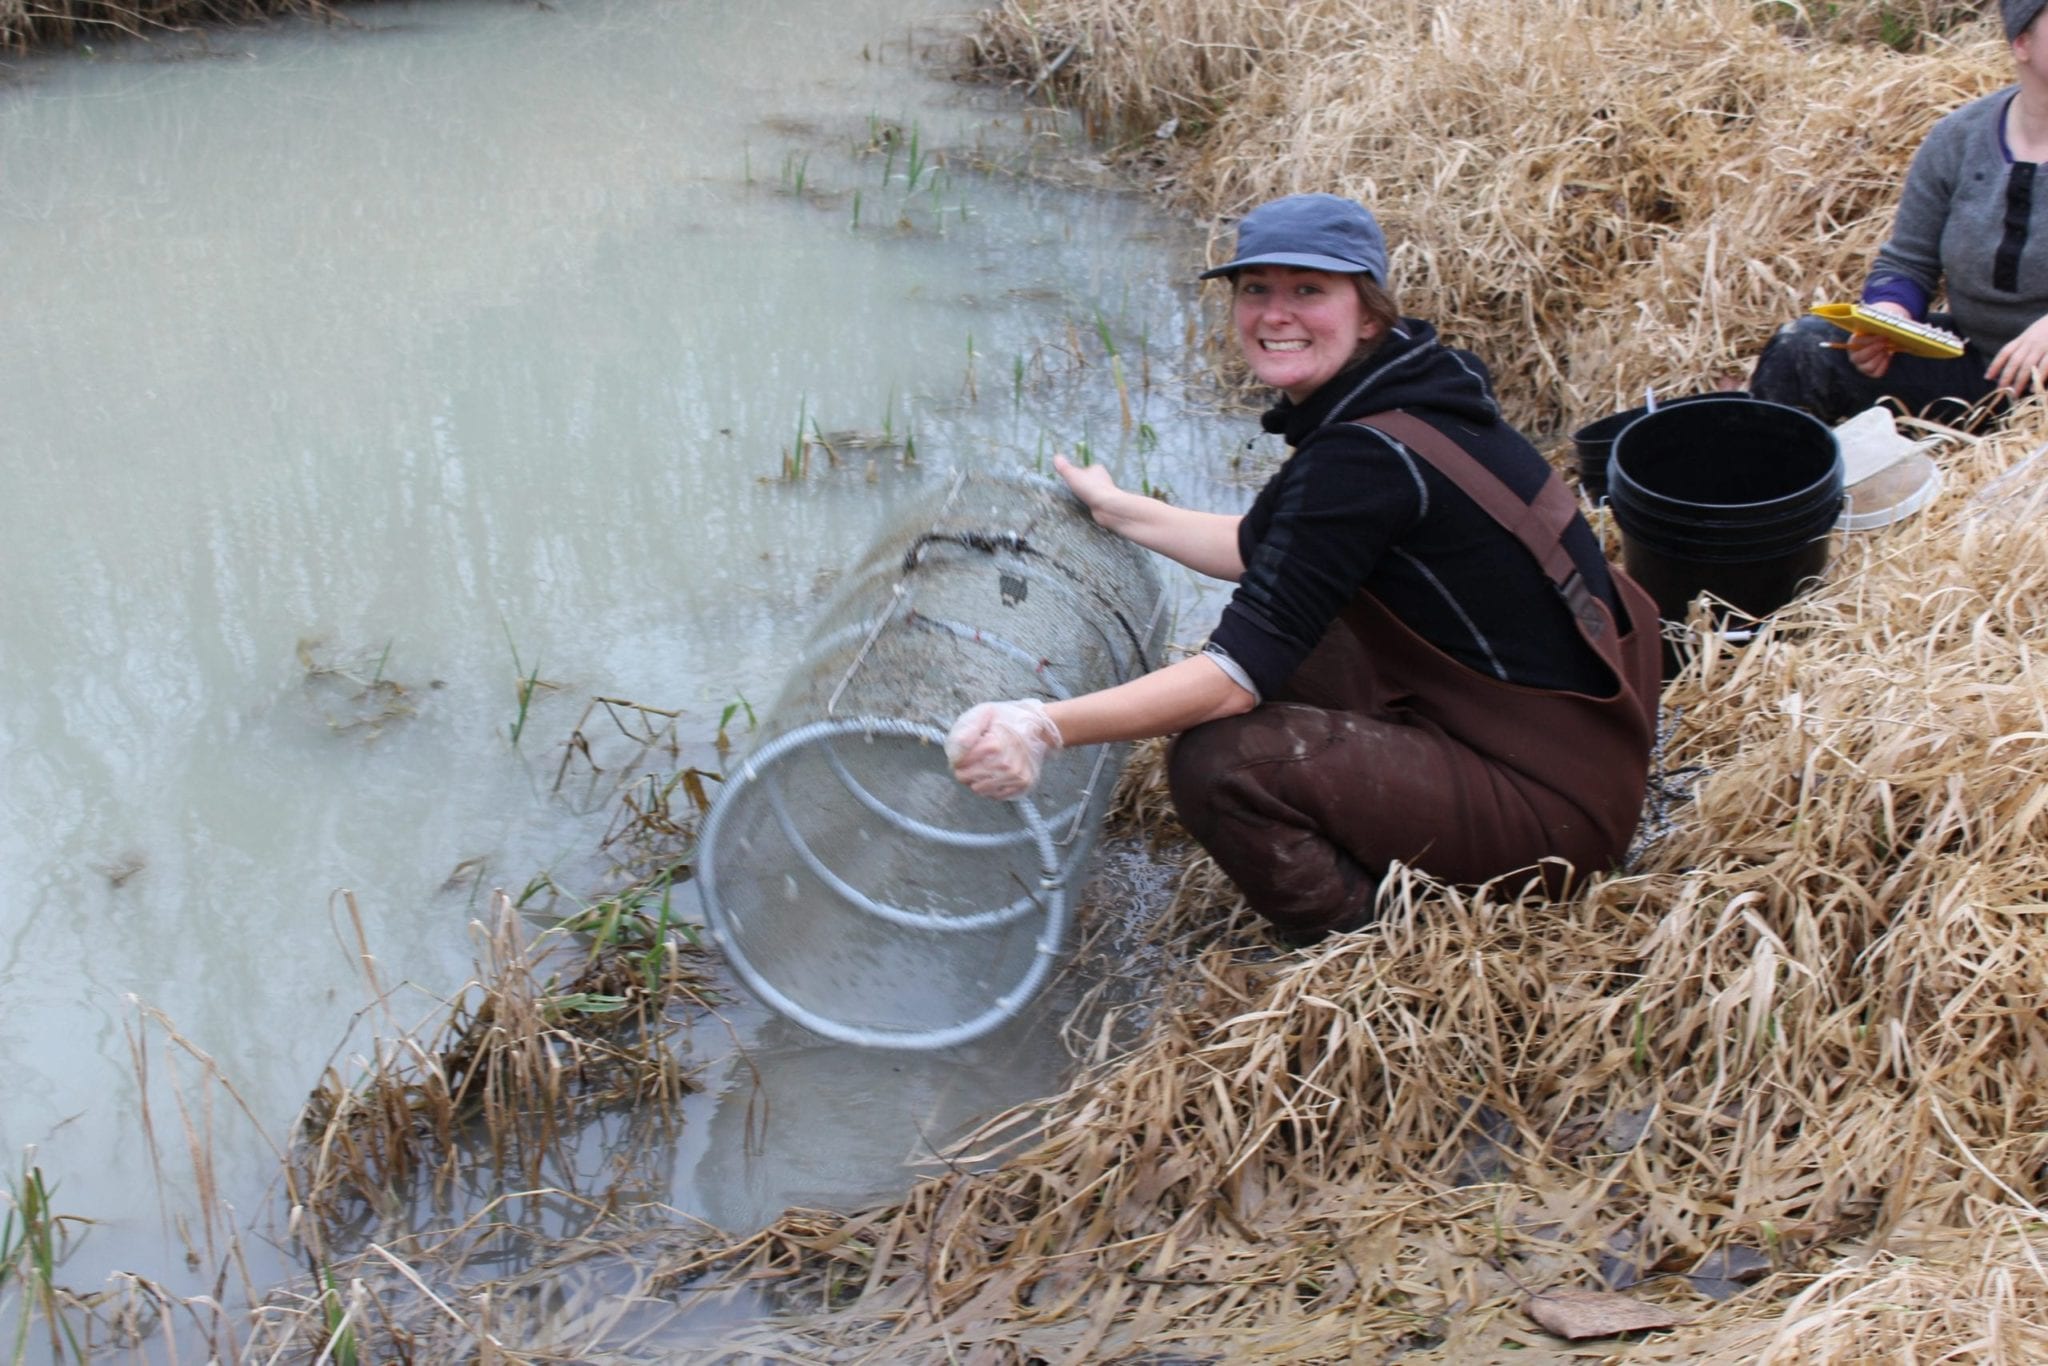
{"x": 1381, "y": 748}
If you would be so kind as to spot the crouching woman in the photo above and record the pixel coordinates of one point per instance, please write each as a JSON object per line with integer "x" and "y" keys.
{"x": 1427, "y": 660}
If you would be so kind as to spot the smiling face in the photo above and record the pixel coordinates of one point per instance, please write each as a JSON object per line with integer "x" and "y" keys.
{"x": 1298, "y": 327}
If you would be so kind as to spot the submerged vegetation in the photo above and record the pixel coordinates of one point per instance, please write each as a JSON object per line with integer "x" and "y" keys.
{"x": 352, "y": 693}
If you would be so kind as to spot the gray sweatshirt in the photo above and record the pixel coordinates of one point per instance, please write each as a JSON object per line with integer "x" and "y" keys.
{"x": 1976, "y": 219}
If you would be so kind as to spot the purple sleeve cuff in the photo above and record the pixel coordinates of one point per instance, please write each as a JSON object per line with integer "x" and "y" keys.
{"x": 1897, "y": 289}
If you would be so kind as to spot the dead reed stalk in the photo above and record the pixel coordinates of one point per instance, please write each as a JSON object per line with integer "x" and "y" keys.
{"x": 540, "y": 1037}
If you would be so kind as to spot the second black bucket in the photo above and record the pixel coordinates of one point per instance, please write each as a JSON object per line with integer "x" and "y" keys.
{"x": 1594, "y": 442}
{"x": 1725, "y": 495}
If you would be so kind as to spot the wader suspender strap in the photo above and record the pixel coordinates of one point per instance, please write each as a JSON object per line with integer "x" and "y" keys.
{"x": 1539, "y": 525}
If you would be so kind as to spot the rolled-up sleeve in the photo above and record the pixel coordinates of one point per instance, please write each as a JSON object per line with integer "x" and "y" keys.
{"x": 1232, "y": 670}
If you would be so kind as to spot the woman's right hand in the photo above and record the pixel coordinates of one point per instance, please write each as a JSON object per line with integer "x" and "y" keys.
{"x": 1872, "y": 355}
{"x": 1092, "y": 484}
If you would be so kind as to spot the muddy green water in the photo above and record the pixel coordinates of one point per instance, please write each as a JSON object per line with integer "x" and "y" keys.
{"x": 435, "y": 337}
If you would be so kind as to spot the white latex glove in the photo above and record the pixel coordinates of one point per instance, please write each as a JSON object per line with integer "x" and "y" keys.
{"x": 998, "y": 748}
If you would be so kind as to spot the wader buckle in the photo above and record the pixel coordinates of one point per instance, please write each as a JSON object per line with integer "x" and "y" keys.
{"x": 1583, "y": 605}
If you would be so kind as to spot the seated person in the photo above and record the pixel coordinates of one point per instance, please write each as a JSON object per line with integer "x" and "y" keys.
{"x": 1974, "y": 216}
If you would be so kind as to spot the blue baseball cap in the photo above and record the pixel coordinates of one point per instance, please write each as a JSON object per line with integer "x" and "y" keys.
{"x": 1313, "y": 231}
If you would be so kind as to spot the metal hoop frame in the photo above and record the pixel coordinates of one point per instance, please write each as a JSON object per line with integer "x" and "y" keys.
{"x": 1050, "y": 899}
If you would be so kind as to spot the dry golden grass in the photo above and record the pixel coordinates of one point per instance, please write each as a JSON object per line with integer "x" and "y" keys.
{"x": 1596, "y": 195}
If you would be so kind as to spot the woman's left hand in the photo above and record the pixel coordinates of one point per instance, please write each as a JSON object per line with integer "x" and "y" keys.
{"x": 2019, "y": 364}
{"x": 998, "y": 748}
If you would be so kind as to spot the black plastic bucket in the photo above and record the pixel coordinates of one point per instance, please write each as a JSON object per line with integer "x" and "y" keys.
{"x": 1594, "y": 442}
{"x": 1725, "y": 495}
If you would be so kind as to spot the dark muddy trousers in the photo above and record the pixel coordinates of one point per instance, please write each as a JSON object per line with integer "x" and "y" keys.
{"x": 1382, "y": 748}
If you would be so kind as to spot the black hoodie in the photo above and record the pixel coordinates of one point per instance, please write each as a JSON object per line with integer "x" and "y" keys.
{"x": 1352, "y": 509}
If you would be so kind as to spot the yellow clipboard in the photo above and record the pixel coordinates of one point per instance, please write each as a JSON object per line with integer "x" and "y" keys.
{"x": 1915, "y": 339}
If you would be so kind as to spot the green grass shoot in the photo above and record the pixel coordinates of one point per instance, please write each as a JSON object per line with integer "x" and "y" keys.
{"x": 1116, "y": 367}
{"x": 655, "y": 960}
{"x": 818, "y": 439}
{"x": 529, "y": 683}
{"x": 340, "y": 1346}
{"x": 733, "y": 708}
{"x": 796, "y": 459}
{"x": 33, "y": 1243}
{"x": 795, "y": 168}
{"x": 913, "y": 166}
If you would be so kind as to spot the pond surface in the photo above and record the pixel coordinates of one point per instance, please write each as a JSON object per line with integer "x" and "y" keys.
{"x": 355, "y": 372}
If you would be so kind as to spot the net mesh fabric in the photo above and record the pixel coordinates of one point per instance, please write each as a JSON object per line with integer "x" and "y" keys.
{"x": 853, "y": 884}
